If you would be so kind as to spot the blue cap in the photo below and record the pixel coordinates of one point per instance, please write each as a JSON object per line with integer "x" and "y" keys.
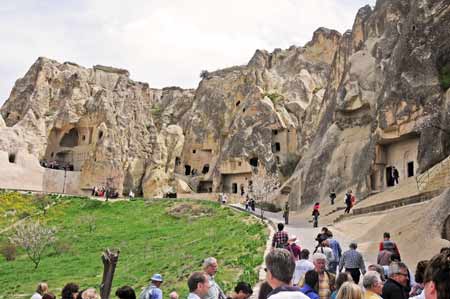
{"x": 157, "y": 277}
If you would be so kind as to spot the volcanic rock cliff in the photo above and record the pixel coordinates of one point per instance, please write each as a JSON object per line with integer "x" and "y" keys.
{"x": 337, "y": 113}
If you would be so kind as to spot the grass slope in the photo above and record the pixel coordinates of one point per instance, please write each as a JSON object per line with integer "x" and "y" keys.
{"x": 150, "y": 238}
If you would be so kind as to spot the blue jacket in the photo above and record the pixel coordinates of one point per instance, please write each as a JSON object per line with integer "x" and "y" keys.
{"x": 309, "y": 291}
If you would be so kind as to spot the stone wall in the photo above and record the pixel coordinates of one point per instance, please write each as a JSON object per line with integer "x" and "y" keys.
{"x": 60, "y": 181}
{"x": 24, "y": 173}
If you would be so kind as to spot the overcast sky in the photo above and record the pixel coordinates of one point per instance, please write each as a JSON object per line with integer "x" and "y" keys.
{"x": 162, "y": 42}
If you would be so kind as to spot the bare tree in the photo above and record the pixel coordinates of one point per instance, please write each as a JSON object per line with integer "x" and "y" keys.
{"x": 90, "y": 221}
{"x": 262, "y": 186}
{"x": 34, "y": 238}
{"x": 42, "y": 202}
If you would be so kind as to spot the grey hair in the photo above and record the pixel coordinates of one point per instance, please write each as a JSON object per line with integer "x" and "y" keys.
{"x": 370, "y": 279}
{"x": 209, "y": 261}
{"x": 280, "y": 264}
{"x": 318, "y": 256}
{"x": 394, "y": 268}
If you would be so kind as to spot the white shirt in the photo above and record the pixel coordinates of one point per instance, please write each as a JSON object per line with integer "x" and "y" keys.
{"x": 301, "y": 267}
{"x": 36, "y": 296}
{"x": 193, "y": 296}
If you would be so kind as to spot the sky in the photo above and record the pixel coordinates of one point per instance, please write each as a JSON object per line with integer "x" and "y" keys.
{"x": 162, "y": 42}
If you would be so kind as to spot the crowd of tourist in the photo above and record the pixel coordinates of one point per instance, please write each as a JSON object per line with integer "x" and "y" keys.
{"x": 290, "y": 274}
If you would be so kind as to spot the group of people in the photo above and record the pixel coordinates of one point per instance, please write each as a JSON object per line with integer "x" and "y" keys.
{"x": 105, "y": 192}
{"x": 334, "y": 274}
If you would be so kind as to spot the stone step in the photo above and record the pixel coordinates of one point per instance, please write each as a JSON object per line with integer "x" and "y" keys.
{"x": 391, "y": 204}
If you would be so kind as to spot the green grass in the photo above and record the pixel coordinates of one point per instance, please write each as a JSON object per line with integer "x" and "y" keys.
{"x": 150, "y": 240}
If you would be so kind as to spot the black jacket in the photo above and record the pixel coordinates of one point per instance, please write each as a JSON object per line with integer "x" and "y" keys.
{"x": 393, "y": 290}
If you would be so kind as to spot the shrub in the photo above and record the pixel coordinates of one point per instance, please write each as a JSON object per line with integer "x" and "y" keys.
{"x": 274, "y": 97}
{"x": 444, "y": 76}
{"x": 9, "y": 251}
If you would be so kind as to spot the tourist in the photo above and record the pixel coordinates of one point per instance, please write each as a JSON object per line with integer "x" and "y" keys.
{"x": 210, "y": 266}
{"x": 280, "y": 267}
{"x": 310, "y": 287}
{"x": 325, "y": 249}
{"x": 302, "y": 266}
{"x": 332, "y": 197}
{"x": 293, "y": 248}
{"x": 388, "y": 244}
{"x": 242, "y": 291}
{"x": 353, "y": 262}
{"x": 323, "y": 235}
{"x": 253, "y": 204}
{"x": 437, "y": 277}
{"x": 280, "y": 238}
{"x": 394, "y": 287}
{"x": 174, "y": 295}
{"x": 349, "y": 290}
{"x": 41, "y": 289}
{"x": 153, "y": 290}
{"x": 395, "y": 175}
{"x": 70, "y": 291}
{"x": 49, "y": 296}
{"x": 198, "y": 284}
{"x": 316, "y": 214}
{"x": 89, "y": 293}
{"x": 348, "y": 201}
{"x": 340, "y": 279}
{"x": 125, "y": 292}
{"x": 286, "y": 213}
{"x": 379, "y": 269}
{"x": 373, "y": 285}
{"x": 326, "y": 279}
{"x": 264, "y": 290}
{"x": 337, "y": 252}
{"x": 417, "y": 288}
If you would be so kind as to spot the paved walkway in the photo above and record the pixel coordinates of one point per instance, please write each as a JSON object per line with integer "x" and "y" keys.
{"x": 306, "y": 233}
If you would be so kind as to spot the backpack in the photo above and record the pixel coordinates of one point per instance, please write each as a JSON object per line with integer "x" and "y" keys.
{"x": 147, "y": 293}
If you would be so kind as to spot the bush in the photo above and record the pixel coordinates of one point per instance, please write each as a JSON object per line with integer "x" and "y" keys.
{"x": 8, "y": 251}
{"x": 268, "y": 206}
{"x": 444, "y": 76}
{"x": 274, "y": 97}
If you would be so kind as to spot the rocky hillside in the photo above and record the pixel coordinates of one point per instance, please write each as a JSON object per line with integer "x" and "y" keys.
{"x": 332, "y": 114}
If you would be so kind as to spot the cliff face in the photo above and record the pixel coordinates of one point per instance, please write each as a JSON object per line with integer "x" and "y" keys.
{"x": 335, "y": 114}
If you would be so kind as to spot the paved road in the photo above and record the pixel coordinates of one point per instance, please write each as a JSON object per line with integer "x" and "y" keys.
{"x": 306, "y": 234}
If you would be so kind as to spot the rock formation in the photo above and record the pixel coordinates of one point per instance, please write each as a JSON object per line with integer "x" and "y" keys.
{"x": 335, "y": 114}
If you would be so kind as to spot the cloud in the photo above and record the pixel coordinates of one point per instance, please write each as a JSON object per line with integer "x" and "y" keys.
{"x": 164, "y": 43}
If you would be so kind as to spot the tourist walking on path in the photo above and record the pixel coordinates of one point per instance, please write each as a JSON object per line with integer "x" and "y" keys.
{"x": 350, "y": 290}
{"x": 286, "y": 213}
{"x": 326, "y": 279}
{"x": 332, "y": 197}
{"x": 337, "y": 252}
{"x": 198, "y": 284}
{"x": 316, "y": 214}
{"x": 310, "y": 285}
{"x": 373, "y": 285}
{"x": 293, "y": 248}
{"x": 353, "y": 262}
{"x": 302, "y": 266}
{"x": 210, "y": 267}
{"x": 394, "y": 288}
{"x": 153, "y": 291}
{"x": 340, "y": 279}
{"x": 280, "y": 238}
{"x": 388, "y": 244}
{"x": 325, "y": 249}
{"x": 417, "y": 288}
{"x": 348, "y": 201}
{"x": 280, "y": 267}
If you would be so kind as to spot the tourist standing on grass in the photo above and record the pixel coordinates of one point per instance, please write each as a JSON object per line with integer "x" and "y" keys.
{"x": 153, "y": 291}
{"x": 394, "y": 287}
{"x": 70, "y": 291}
{"x": 242, "y": 291}
{"x": 199, "y": 286}
{"x": 340, "y": 279}
{"x": 373, "y": 285}
{"x": 280, "y": 267}
{"x": 311, "y": 284}
{"x": 125, "y": 292}
{"x": 41, "y": 289}
{"x": 353, "y": 262}
{"x": 280, "y": 238}
{"x": 210, "y": 266}
{"x": 437, "y": 277}
{"x": 302, "y": 266}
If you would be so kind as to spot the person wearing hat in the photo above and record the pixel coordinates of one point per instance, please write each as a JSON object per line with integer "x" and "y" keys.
{"x": 153, "y": 291}
{"x": 293, "y": 248}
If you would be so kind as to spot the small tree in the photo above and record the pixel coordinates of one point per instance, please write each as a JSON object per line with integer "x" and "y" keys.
{"x": 262, "y": 186}
{"x": 90, "y": 221}
{"x": 34, "y": 238}
{"x": 204, "y": 74}
{"x": 42, "y": 202}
